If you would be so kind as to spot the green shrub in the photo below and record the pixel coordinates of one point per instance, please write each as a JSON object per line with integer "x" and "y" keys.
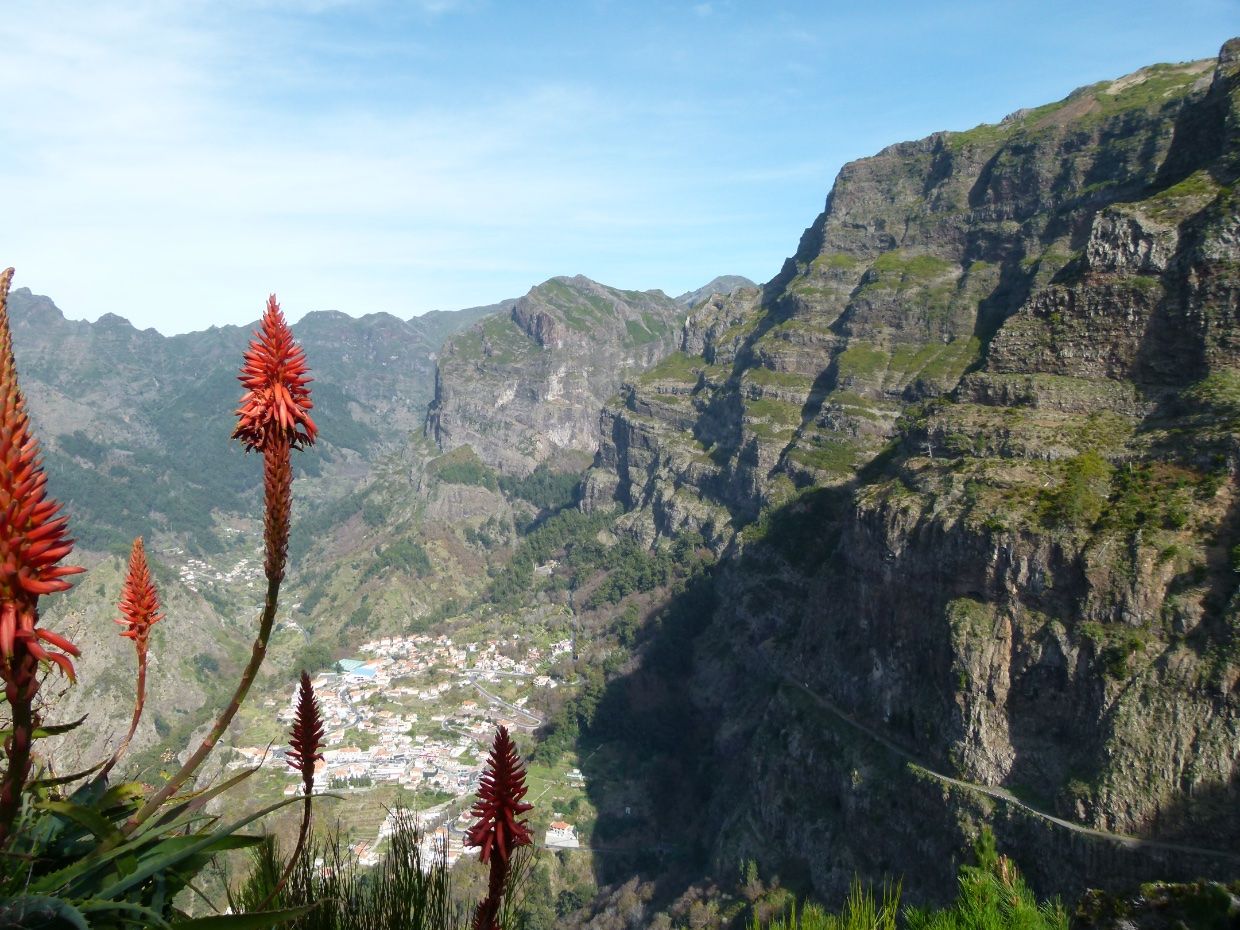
{"x": 544, "y": 488}
{"x": 1081, "y": 495}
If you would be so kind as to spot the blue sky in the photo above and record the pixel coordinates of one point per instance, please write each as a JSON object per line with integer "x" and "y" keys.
{"x": 174, "y": 162}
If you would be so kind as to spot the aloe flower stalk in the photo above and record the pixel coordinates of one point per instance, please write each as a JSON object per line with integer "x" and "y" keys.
{"x": 497, "y": 832}
{"x": 273, "y": 419}
{"x": 33, "y": 539}
{"x": 306, "y": 744}
{"x": 139, "y": 607}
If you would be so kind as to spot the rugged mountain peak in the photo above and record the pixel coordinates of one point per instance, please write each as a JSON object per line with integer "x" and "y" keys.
{"x": 724, "y": 284}
{"x": 971, "y": 457}
{"x": 921, "y": 254}
{"x": 525, "y": 386}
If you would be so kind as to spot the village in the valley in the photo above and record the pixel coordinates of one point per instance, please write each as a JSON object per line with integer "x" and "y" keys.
{"x": 419, "y": 712}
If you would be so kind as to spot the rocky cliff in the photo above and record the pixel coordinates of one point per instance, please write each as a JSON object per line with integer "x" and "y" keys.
{"x": 971, "y": 460}
{"x": 525, "y": 387}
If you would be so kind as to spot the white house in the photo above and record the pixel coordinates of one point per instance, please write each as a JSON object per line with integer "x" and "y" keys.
{"x": 562, "y": 836}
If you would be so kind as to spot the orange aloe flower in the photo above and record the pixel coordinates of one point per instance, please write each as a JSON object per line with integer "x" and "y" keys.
{"x": 33, "y": 533}
{"x": 139, "y": 603}
{"x": 33, "y": 540}
{"x": 139, "y": 607}
{"x": 273, "y": 418}
{"x": 277, "y": 399}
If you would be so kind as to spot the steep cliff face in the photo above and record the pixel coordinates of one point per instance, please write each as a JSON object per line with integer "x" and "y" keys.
{"x": 985, "y": 418}
{"x": 922, "y": 252}
{"x": 525, "y": 386}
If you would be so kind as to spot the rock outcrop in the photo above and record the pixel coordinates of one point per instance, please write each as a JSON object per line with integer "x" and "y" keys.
{"x": 525, "y": 387}
{"x": 971, "y": 460}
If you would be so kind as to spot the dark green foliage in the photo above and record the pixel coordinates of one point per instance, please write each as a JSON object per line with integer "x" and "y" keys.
{"x": 626, "y": 626}
{"x": 995, "y": 899}
{"x": 354, "y": 781}
{"x": 1116, "y": 645}
{"x": 373, "y": 512}
{"x": 568, "y": 901}
{"x": 113, "y": 501}
{"x": 632, "y": 567}
{"x": 861, "y": 911}
{"x": 538, "y": 912}
{"x": 562, "y": 731}
{"x": 312, "y": 598}
{"x": 1200, "y": 905}
{"x": 474, "y": 473}
{"x": 205, "y": 665}
{"x": 360, "y": 618}
{"x": 1153, "y": 495}
{"x": 314, "y": 658}
{"x": 462, "y": 466}
{"x": 992, "y": 896}
{"x": 1078, "y": 501}
{"x": 803, "y": 531}
{"x": 494, "y": 532}
{"x": 543, "y": 542}
{"x": 545, "y": 489}
{"x": 404, "y": 555}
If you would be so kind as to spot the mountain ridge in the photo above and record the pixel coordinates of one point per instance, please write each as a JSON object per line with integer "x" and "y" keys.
{"x": 939, "y": 453}
{"x": 968, "y": 468}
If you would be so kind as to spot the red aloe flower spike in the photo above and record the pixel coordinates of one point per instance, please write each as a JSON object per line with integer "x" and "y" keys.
{"x": 276, "y": 400}
{"x": 33, "y": 539}
{"x": 277, "y": 510}
{"x": 33, "y": 535}
{"x": 139, "y": 604}
{"x": 306, "y": 741}
{"x": 306, "y": 737}
{"x": 139, "y": 607}
{"x": 273, "y": 419}
{"x": 499, "y": 804}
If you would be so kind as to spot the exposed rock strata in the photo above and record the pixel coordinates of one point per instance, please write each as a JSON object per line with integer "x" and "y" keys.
{"x": 525, "y": 387}
{"x": 1036, "y": 326}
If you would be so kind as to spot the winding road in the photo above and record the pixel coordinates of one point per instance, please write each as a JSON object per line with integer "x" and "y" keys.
{"x": 1000, "y": 794}
{"x": 512, "y": 708}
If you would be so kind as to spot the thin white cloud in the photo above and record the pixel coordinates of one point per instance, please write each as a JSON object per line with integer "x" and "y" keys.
{"x": 147, "y": 184}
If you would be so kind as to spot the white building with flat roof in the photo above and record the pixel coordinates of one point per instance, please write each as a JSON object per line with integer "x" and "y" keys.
{"x": 562, "y": 835}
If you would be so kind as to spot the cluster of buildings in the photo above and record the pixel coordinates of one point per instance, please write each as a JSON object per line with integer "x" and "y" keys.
{"x": 443, "y": 838}
{"x": 195, "y": 572}
{"x": 373, "y": 734}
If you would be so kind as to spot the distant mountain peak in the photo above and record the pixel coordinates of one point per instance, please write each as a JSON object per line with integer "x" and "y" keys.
{"x": 723, "y": 284}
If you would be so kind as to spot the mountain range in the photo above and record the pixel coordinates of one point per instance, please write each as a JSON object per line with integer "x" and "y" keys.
{"x": 961, "y": 475}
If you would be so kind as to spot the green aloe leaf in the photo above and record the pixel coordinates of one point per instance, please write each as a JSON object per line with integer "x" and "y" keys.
{"x": 167, "y": 859}
{"x": 54, "y": 730}
{"x": 146, "y": 916}
{"x": 38, "y": 910}
{"x": 87, "y": 817}
{"x": 63, "y": 779}
{"x": 196, "y": 801}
